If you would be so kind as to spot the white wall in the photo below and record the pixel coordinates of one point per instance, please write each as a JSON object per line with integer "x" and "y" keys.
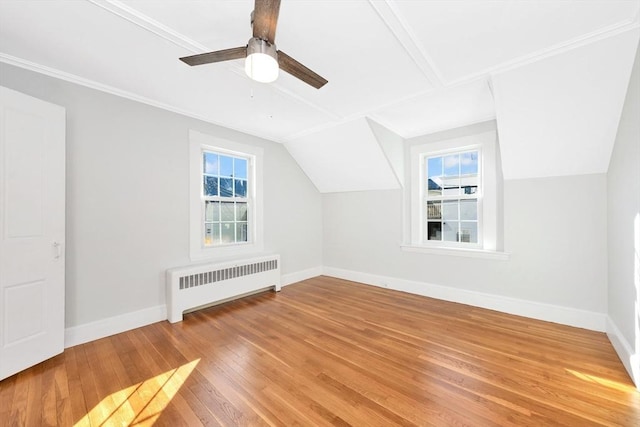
{"x": 623, "y": 214}
{"x": 127, "y": 199}
{"x": 554, "y": 229}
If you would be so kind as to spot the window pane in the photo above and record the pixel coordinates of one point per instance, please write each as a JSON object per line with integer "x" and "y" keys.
{"x": 468, "y": 209}
{"x": 450, "y": 210}
{"x": 240, "y": 168}
{"x": 241, "y": 232}
{"x": 226, "y": 166}
{"x": 434, "y": 210}
{"x": 434, "y": 230}
{"x": 469, "y": 172}
{"x": 226, "y": 187}
{"x": 210, "y": 186}
{"x": 434, "y": 172}
{"x": 241, "y": 211}
{"x": 452, "y": 165}
{"x": 434, "y": 167}
{"x": 469, "y": 232}
{"x": 210, "y": 163}
{"x": 450, "y": 231}
{"x": 469, "y": 163}
{"x": 451, "y": 186}
{"x": 434, "y": 185}
{"x": 469, "y": 183}
{"x": 226, "y": 211}
{"x": 211, "y": 211}
{"x": 240, "y": 187}
{"x": 228, "y": 233}
{"x": 212, "y": 234}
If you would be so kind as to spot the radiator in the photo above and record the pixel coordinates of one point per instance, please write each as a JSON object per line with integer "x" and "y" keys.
{"x": 205, "y": 284}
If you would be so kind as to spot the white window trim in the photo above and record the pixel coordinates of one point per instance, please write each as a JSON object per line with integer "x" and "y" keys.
{"x": 198, "y": 143}
{"x": 461, "y": 252}
{"x": 488, "y": 200}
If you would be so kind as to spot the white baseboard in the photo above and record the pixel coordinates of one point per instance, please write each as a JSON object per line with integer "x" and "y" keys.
{"x": 630, "y": 359}
{"x": 547, "y": 312}
{"x": 124, "y": 322}
{"x": 568, "y": 316}
{"x": 113, "y": 325}
{"x": 299, "y": 276}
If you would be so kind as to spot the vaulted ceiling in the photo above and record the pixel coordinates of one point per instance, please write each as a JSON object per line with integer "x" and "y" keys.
{"x": 553, "y": 73}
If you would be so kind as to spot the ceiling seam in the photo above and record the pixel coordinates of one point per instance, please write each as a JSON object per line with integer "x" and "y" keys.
{"x": 557, "y": 49}
{"x": 392, "y": 18}
{"x": 143, "y": 21}
{"x": 240, "y": 71}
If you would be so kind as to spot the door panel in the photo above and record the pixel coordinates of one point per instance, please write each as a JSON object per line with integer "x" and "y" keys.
{"x": 24, "y": 324}
{"x": 24, "y": 179}
{"x": 32, "y": 201}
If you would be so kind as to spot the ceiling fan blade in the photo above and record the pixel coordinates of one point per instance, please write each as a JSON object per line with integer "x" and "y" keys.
{"x": 298, "y": 70}
{"x": 217, "y": 56}
{"x": 265, "y": 19}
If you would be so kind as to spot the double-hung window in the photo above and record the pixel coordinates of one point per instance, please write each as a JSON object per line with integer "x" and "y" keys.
{"x": 226, "y": 200}
{"x": 452, "y": 193}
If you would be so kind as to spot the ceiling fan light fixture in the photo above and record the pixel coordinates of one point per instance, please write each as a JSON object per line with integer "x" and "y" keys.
{"x": 261, "y": 63}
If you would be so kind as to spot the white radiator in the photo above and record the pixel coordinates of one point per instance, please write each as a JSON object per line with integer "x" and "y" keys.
{"x": 204, "y": 284}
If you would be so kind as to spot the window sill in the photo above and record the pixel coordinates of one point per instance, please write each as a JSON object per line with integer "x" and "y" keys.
{"x": 469, "y": 253}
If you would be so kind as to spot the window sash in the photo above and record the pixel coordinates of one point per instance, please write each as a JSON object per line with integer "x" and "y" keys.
{"x": 442, "y": 198}
{"x": 244, "y": 224}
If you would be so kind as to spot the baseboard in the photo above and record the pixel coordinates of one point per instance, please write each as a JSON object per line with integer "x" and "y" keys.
{"x": 299, "y": 276}
{"x": 630, "y": 359}
{"x": 535, "y": 310}
{"x": 551, "y": 313}
{"x": 113, "y": 325}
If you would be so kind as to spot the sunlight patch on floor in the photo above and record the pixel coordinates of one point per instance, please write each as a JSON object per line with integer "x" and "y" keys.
{"x": 603, "y": 381}
{"x": 142, "y": 403}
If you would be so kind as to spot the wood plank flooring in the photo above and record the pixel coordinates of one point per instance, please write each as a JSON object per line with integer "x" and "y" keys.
{"x": 331, "y": 352}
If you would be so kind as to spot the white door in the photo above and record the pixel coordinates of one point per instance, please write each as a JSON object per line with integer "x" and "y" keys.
{"x": 32, "y": 177}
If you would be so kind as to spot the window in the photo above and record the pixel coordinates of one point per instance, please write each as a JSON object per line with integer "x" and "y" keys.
{"x": 225, "y": 197}
{"x": 453, "y": 195}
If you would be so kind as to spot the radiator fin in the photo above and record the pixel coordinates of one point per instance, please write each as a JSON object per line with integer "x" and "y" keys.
{"x": 223, "y": 274}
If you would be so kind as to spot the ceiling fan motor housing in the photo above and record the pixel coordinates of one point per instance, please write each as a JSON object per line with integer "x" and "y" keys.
{"x": 261, "y": 63}
{"x": 257, "y": 45}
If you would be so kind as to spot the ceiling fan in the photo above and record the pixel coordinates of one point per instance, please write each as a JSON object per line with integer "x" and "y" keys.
{"x": 263, "y": 60}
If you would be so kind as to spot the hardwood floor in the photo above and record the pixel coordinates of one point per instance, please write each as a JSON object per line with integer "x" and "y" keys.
{"x": 331, "y": 352}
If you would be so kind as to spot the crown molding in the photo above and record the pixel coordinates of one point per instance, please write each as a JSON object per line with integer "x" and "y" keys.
{"x": 92, "y": 84}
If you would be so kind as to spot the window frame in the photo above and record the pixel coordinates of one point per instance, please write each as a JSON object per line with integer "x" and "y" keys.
{"x": 486, "y": 144}
{"x": 198, "y": 144}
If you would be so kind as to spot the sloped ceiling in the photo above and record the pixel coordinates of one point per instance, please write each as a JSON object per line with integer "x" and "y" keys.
{"x": 345, "y": 158}
{"x": 415, "y": 67}
{"x": 559, "y": 115}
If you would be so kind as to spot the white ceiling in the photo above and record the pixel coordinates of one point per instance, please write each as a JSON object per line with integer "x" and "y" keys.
{"x": 559, "y": 115}
{"x": 415, "y": 67}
